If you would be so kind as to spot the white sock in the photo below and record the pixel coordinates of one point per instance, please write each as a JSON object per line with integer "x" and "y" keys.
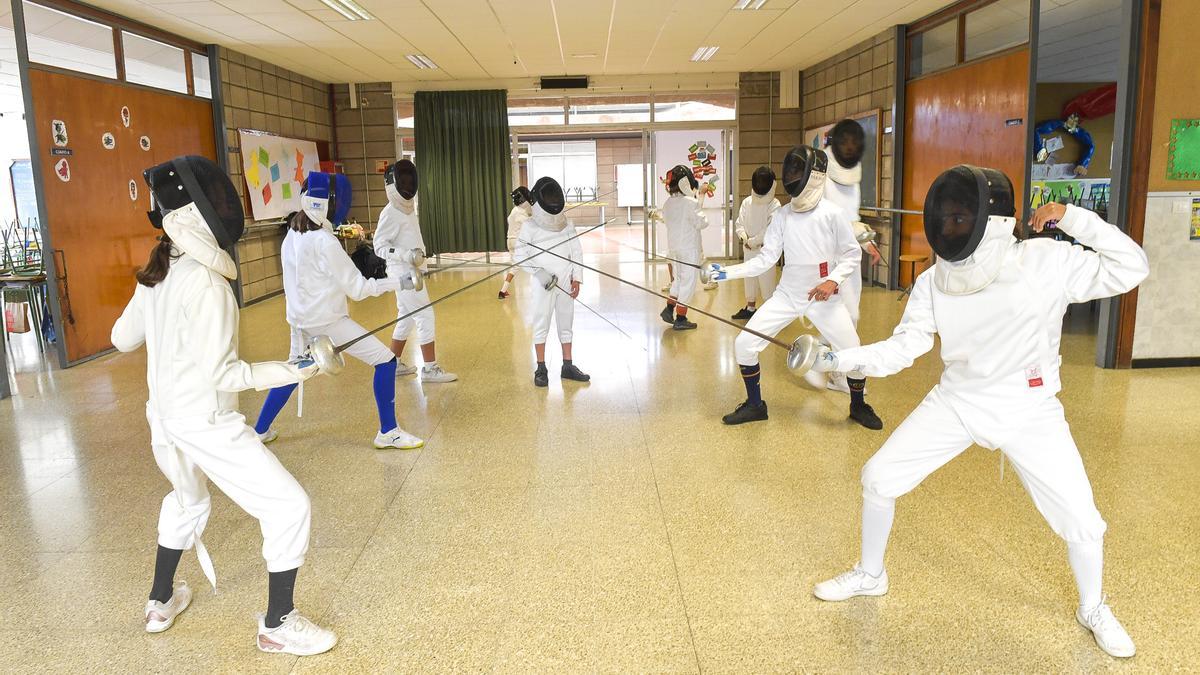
{"x": 430, "y": 365}
{"x": 504, "y": 287}
{"x": 1087, "y": 564}
{"x": 877, "y": 516}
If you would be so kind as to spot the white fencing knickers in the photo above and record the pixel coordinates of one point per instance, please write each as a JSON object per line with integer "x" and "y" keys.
{"x": 553, "y": 303}
{"x": 851, "y": 292}
{"x": 407, "y": 301}
{"x": 370, "y": 351}
{"x": 221, "y": 448}
{"x": 829, "y": 317}
{"x": 1040, "y": 449}
{"x": 687, "y": 278}
{"x": 761, "y": 286}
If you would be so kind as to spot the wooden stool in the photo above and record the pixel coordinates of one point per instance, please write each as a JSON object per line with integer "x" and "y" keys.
{"x": 912, "y": 259}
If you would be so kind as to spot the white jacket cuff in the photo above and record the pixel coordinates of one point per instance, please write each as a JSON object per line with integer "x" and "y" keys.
{"x": 271, "y": 374}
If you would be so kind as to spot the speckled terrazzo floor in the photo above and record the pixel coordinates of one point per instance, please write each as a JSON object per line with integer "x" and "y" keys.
{"x": 616, "y": 526}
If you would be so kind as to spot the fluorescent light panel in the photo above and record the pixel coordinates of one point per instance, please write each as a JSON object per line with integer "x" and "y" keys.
{"x": 704, "y": 53}
{"x": 421, "y": 61}
{"x": 749, "y": 4}
{"x": 349, "y": 9}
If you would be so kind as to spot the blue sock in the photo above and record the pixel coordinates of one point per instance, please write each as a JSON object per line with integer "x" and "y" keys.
{"x": 276, "y": 399}
{"x": 751, "y": 375}
{"x": 385, "y": 395}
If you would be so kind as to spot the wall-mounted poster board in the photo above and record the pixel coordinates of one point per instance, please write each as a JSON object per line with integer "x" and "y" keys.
{"x": 870, "y": 162}
{"x": 631, "y": 190}
{"x": 274, "y": 168}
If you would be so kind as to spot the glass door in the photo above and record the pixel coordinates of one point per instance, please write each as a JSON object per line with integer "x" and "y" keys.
{"x": 707, "y": 153}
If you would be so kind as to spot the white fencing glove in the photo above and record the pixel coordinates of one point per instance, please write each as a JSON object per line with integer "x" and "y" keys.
{"x": 545, "y": 279}
{"x": 827, "y": 360}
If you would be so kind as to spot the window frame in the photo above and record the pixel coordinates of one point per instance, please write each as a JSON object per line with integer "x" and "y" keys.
{"x": 958, "y": 14}
{"x": 119, "y": 25}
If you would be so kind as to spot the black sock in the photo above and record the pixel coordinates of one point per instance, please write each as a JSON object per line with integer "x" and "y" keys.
{"x": 670, "y": 304}
{"x": 567, "y": 363}
{"x": 165, "y": 562}
{"x": 857, "y": 390}
{"x": 541, "y": 365}
{"x": 752, "y": 375}
{"x": 279, "y": 596}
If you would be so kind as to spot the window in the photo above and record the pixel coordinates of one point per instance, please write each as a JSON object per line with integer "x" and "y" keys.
{"x": 608, "y": 110}
{"x": 65, "y": 41}
{"x": 524, "y": 112}
{"x": 697, "y": 107}
{"x": 934, "y": 49}
{"x": 571, "y": 163}
{"x": 153, "y": 63}
{"x": 406, "y": 116}
{"x": 201, "y": 76}
{"x": 996, "y": 27}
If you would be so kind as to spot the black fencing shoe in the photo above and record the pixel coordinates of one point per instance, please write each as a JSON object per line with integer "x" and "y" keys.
{"x": 865, "y": 415}
{"x": 682, "y": 323}
{"x": 743, "y": 314}
{"x": 668, "y": 314}
{"x": 572, "y": 372}
{"x": 541, "y": 377}
{"x": 747, "y": 412}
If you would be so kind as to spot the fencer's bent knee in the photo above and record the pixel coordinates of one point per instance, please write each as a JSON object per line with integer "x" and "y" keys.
{"x": 876, "y": 486}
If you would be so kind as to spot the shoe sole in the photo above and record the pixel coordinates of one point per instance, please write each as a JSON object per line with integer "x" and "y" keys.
{"x": 675, "y": 327}
{"x": 1116, "y": 655}
{"x": 379, "y": 446}
{"x": 873, "y": 593}
{"x": 866, "y": 426}
{"x": 439, "y": 380}
{"x": 164, "y": 626}
{"x": 734, "y": 424}
{"x": 295, "y": 652}
{"x": 269, "y": 439}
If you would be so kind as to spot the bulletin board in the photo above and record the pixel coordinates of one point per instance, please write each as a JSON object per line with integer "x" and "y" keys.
{"x": 631, "y": 191}
{"x": 869, "y": 120}
{"x": 274, "y": 168}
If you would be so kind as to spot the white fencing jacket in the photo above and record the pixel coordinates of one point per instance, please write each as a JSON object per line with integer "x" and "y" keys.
{"x": 817, "y": 245}
{"x": 516, "y": 220}
{"x": 189, "y": 324}
{"x": 318, "y": 275}
{"x": 565, "y": 270}
{"x": 1000, "y": 345}
{"x": 753, "y": 218}
{"x": 684, "y": 221}
{"x": 396, "y": 234}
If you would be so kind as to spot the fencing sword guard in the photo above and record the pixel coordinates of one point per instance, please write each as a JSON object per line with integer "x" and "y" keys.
{"x": 866, "y": 236}
{"x": 416, "y": 258}
{"x": 417, "y": 279}
{"x": 705, "y": 272}
{"x": 329, "y": 360}
{"x": 803, "y": 353}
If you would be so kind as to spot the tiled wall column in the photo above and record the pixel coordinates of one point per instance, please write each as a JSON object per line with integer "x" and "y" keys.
{"x": 366, "y": 136}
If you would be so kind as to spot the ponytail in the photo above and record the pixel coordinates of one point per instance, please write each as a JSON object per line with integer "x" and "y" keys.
{"x": 301, "y": 223}
{"x": 158, "y": 265}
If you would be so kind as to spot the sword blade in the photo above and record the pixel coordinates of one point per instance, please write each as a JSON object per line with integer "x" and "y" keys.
{"x": 602, "y": 317}
{"x": 773, "y": 340}
{"x": 647, "y": 253}
{"x": 341, "y": 348}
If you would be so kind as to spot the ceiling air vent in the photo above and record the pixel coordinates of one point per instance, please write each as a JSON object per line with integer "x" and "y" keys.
{"x": 568, "y": 82}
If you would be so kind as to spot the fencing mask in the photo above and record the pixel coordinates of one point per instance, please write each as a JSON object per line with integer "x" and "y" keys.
{"x": 846, "y": 144}
{"x": 804, "y": 169}
{"x": 969, "y": 221}
{"x": 680, "y": 179}
{"x": 189, "y": 195}
{"x": 548, "y": 203}
{"x": 326, "y": 198}
{"x": 400, "y": 184}
{"x": 522, "y": 198}
{"x": 763, "y": 183}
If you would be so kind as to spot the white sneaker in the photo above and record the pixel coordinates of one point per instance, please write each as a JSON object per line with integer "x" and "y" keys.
{"x": 837, "y": 382}
{"x": 852, "y": 584}
{"x": 399, "y": 439}
{"x": 666, "y": 289}
{"x": 268, "y": 435}
{"x": 815, "y": 380}
{"x": 161, "y": 616}
{"x": 403, "y": 368}
{"x": 296, "y": 635}
{"x": 1109, "y": 632}
{"x": 435, "y": 373}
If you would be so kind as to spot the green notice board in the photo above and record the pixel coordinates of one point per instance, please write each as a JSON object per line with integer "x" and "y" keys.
{"x": 1183, "y": 152}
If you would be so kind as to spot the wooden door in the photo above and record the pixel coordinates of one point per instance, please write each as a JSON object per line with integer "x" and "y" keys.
{"x": 962, "y": 116}
{"x": 93, "y": 219}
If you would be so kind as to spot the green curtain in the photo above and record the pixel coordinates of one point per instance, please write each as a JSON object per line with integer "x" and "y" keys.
{"x": 465, "y": 164}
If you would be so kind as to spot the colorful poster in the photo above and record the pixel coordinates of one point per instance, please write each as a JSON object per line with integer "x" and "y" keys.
{"x": 1194, "y": 230}
{"x": 274, "y": 167}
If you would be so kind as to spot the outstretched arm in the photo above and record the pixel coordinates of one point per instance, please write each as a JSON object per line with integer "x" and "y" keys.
{"x": 912, "y": 339}
{"x": 767, "y": 256}
{"x": 341, "y": 270}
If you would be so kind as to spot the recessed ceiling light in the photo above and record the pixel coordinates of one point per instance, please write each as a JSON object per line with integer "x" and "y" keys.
{"x": 749, "y": 4}
{"x": 349, "y": 9}
{"x": 421, "y": 61}
{"x": 704, "y": 53}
